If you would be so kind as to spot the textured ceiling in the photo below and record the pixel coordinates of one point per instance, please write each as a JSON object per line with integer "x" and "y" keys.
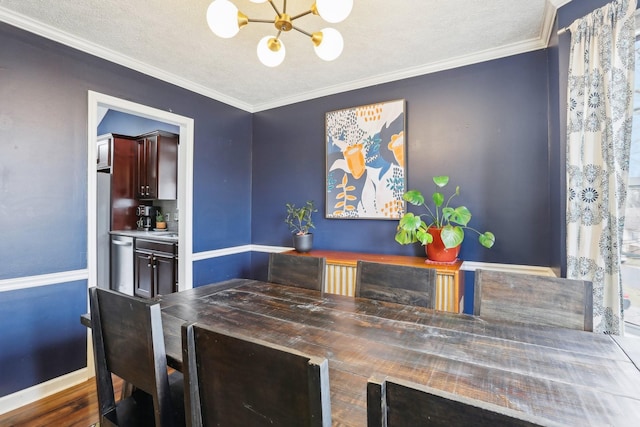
{"x": 384, "y": 41}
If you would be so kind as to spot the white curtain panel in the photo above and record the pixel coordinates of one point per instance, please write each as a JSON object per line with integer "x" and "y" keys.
{"x": 599, "y": 115}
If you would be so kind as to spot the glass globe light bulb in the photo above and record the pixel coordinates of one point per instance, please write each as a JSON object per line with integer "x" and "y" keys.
{"x": 271, "y": 51}
{"x": 222, "y": 17}
{"x": 334, "y": 10}
{"x": 331, "y": 45}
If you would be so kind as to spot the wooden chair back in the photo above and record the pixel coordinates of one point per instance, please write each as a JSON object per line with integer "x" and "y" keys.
{"x": 527, "y": 298}
{"x": 302, "y": 271}
{"x": 128, "y": 342}
{"x": 396, "y": 403}
{"x": 396, "y": 283}
{"x": 239, "y": 381}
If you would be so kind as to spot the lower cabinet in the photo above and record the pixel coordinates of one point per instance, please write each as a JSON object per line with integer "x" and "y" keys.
{"x": 155, "y": 268}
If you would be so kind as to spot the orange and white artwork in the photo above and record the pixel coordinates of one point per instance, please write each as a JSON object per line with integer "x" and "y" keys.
{"x": 365, "y": 169}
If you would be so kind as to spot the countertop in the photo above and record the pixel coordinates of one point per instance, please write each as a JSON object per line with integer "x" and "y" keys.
{"x": 170, "y": 236}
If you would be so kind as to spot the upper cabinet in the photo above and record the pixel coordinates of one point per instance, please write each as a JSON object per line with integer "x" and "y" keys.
{"x": 157, "y": 166}
{"x": 117, "y": 157}
{"x": 104, "y": 151}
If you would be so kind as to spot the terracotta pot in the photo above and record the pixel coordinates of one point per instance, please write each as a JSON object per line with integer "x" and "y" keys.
{"x": 436, "y": 250}
{"x": 160, "y": 225}
{"x": 303, "y": 242}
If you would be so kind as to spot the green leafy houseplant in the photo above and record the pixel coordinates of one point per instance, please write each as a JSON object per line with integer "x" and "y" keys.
{"x": 160, "y": 222}
{"x": 299, "y": 219}
{"x": 453, "y": 221}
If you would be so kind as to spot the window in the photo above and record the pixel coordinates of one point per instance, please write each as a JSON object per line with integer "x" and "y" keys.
{"x": 631, "y": 236}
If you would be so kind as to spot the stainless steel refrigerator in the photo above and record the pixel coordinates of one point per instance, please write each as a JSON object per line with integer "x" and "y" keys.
{"x": 103, "y": 227}
{"x": 114, "y": 253}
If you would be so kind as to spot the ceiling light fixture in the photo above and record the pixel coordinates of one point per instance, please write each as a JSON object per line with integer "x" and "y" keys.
{"x": 225, "y": 20}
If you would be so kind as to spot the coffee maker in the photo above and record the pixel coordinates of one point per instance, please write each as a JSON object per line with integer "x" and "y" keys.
{"x": 146, "y": 217}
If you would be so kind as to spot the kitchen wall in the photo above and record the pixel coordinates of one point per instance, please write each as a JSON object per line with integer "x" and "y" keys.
{"x": 43, "y": 194}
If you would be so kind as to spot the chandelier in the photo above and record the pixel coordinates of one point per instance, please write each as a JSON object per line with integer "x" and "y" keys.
{"x": 225, "y": 20}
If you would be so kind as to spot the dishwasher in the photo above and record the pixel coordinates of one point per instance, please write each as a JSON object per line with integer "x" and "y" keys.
{"x": 122, "y": 264}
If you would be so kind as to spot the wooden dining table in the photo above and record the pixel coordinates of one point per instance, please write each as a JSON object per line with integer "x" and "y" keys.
{"x": 565, "y": 376}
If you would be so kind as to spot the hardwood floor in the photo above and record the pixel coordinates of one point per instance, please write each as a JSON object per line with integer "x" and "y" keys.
{"x": 76, "y": 406}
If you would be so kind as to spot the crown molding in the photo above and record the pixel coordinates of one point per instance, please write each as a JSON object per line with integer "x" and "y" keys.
{"x": 51, "y": 33}
{"x": 461, "y": 61}
{"x": 67, "y": 39}
{"x": 557, "y": 3}
{"x": 548, "y": 21}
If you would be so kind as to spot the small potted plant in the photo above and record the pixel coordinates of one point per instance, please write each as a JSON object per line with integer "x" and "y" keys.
{"x": 444, "y": 232}
{"x": 160, "y": 222}
{"x": 299, "y": 221}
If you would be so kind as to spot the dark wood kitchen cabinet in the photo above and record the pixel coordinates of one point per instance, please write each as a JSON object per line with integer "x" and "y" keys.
{"x": 116, "y": 155}
{"x": 155, "y": 268}
{"x": 157, "y": 166}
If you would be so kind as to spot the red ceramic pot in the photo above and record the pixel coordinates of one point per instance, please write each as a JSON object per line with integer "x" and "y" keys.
{"x": 436, "y": 250}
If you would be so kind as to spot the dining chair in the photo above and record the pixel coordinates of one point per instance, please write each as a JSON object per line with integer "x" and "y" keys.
{"x": 401, "y": 284}
{"x": 526, "y": 298}
{"x": 395, "y": 403}
{"x": 297, "y": 270}
{"x": 128, "y": 342}
{"x": 239, "y": 381}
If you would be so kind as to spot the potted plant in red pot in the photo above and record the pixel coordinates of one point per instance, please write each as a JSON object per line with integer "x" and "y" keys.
{"x": 299, "y": 221}
{"x": 444, "y": 232}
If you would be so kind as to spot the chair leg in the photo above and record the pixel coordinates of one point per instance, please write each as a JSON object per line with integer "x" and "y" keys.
{"x": 127, "y": 390}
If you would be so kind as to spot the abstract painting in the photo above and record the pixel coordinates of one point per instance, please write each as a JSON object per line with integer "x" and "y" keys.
{"x": 366, "y": 158}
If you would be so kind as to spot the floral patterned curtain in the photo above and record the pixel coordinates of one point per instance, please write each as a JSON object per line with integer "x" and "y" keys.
{"x": 599, "y": 115}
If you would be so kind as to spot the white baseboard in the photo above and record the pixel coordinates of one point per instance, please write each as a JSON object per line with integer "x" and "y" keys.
{"x": 29, "y": 395}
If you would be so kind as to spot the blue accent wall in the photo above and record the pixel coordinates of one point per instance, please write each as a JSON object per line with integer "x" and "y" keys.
{"x": 217, "y": 269}
{"x": 43, "y": 190}
{"x": 41, "y": 337}
{"x": 484, "y": 125}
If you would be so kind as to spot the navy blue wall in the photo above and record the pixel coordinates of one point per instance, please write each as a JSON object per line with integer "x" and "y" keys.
{"x": 222, "y": 268}
{"x": 484, "y": 125}
{"x": 40, "y": 334}
{"x": 43, "y": 191}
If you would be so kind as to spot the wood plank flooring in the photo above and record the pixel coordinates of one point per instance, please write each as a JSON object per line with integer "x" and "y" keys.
{"x": 76, "y": 406}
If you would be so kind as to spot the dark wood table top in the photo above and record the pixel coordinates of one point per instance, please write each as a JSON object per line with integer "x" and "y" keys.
{"x": 566, "y": 376}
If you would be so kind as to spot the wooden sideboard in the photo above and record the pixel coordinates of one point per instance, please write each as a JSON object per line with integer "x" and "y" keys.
{"x": 341, "y": 275}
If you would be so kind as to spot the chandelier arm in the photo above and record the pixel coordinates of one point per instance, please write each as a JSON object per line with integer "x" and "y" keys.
{"x": 275, "y": 8}
{"x": 302, "y": 31}
{"x": 302, "y": 14}
{"x": 263, "y": 21}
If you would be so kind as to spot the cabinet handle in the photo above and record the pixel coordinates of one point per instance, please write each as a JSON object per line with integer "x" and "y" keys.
{"x": 147, "y": 190}
{"x": 142, "y": 189}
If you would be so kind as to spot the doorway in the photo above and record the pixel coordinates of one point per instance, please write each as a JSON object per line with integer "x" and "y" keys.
{"x": 98, "y": 101}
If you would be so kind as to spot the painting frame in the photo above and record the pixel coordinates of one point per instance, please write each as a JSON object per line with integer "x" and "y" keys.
{"x": 365, "y": 163}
